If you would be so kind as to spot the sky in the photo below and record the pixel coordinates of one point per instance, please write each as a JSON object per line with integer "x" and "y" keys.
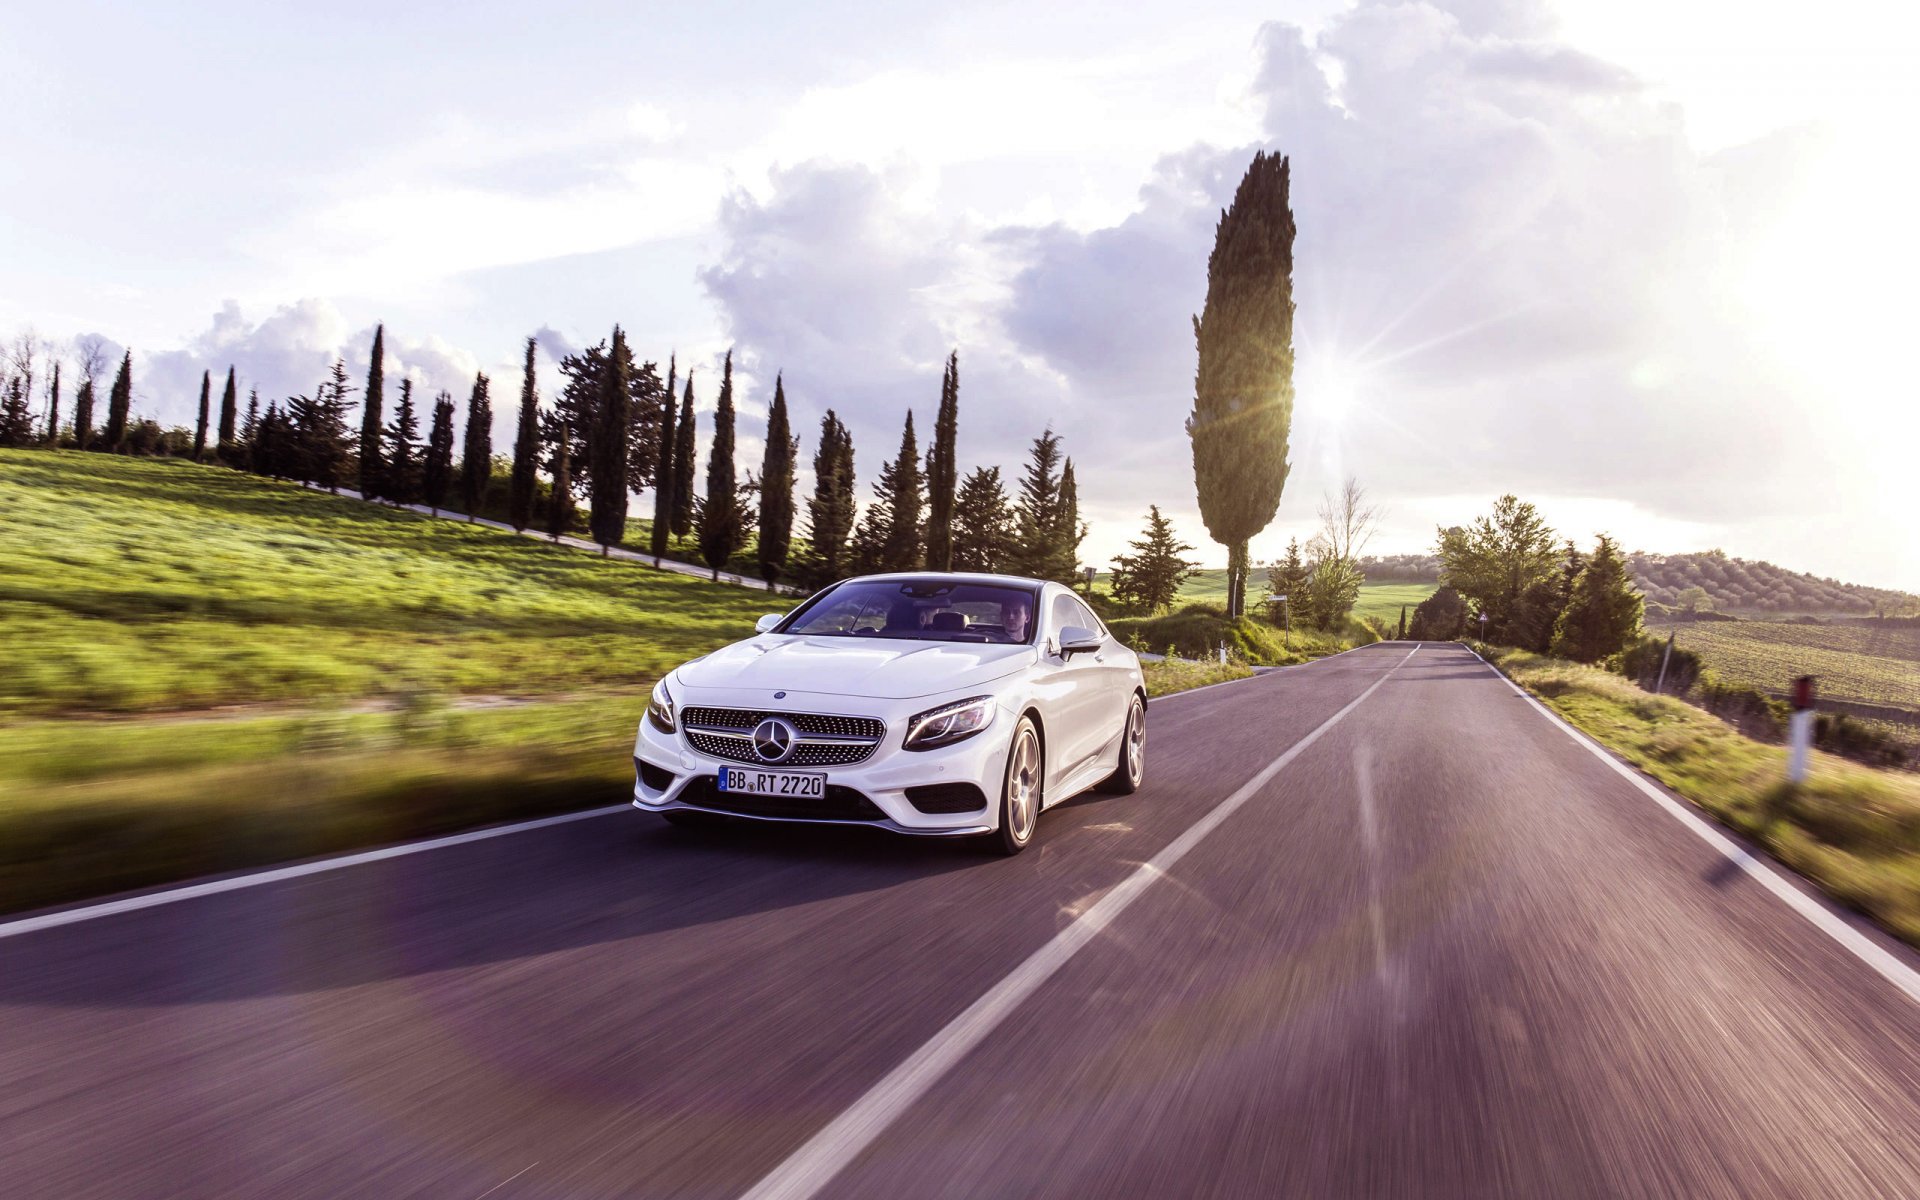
{"x": 1643, "y": 263}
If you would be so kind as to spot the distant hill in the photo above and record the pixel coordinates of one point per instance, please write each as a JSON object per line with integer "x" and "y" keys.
{"x": 1739, "y": 586}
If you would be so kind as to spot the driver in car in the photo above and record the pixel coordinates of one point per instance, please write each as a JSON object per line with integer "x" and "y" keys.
{"x": 1017, "y": 616}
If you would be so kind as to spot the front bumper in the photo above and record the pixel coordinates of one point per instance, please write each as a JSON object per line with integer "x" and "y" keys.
{"x": 882, "y": 780}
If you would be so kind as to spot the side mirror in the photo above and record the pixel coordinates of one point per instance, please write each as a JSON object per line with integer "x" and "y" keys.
{"x": 765, "y": 624}
{"x": 1075, "y": 640}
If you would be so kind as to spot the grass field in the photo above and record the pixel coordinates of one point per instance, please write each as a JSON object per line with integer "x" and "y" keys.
{"x": 141, "y": 585}
{"x": 1382, "y": 600}
{"x": 1853, "y": 662}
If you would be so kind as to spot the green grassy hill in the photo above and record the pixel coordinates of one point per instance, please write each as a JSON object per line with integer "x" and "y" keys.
{"x": 1743, "y": 587}
{"x": 1376, "y": 600}
{"x": 1873, "y": 663}
{"x": 138, "y": 585}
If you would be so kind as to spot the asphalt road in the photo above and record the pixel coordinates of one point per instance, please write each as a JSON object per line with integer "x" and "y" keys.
{"x": 1442, "y": 950}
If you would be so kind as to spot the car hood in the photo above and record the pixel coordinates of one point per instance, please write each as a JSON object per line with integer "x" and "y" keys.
{"x": 839, "y": 666}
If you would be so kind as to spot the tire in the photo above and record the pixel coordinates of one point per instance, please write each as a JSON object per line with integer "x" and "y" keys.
{"x": 683, "y": 818}
{"x": 1022, "y": 791}
{"x": 1132, "y": 767}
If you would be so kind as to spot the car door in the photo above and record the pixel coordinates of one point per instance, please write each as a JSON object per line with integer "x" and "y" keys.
{"x": 1073, "y": 688}
{"x": 1116, "y": 675}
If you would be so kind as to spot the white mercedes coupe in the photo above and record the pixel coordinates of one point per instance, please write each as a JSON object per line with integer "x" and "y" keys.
{"x": 948, "y": 705}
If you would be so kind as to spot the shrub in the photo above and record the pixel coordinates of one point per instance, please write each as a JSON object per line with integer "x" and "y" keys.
{"x": 1640, "y": 662}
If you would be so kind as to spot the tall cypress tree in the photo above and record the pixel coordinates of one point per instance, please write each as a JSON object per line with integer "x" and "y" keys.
{"x": 370, "y": 417}
{"x": 53, "y": 407}
{"x": 686, "y": 456}
{"x": 200, "y": 430}
{"x": 901, "y": 486}
{"x": 608, "y": 445}
{"x": 526, "y": 445}
{"x": 400, "y": 470}
{"x": 942, "y": 471}
{"x": 1063, "y": 553}
{"x": 476, "y": 453}
{"x": 830, "y": 510}
{"x": 776, "y": 489}
{"x": 721, "y": 529}
{"x": 229, "y": 404}
{"x": 250, "y": 427}
{"x": 438, "y": 469}
{"x": 119, "y": 400}
{"x": 83, "y": 413}
{"x": 666, "y": 475}
{"x": 560, "y": 499}
{"x": 1243, "y": 388}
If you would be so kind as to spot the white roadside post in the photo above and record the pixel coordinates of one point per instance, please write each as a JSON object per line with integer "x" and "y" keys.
{"x": 1223, "y": 654}
{"x": 1800, "y": 730}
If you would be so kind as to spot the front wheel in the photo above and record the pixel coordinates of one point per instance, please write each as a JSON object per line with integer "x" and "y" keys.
{"x": 1021, "y": 791}
{"x": 1132, "y": 767}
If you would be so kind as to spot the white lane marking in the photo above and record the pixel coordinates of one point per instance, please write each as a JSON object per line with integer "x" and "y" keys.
{"x": 73, "y": 916}
{"x": 509, "y": 1179}
{"x": 826, "y": 1153}
{"x": 1862, "y": 947}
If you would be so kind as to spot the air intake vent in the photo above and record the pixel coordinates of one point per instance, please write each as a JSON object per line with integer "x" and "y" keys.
{"x": 947, "y": 798}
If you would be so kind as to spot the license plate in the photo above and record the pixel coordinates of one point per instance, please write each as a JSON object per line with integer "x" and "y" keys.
{"x": 773, "y": 783}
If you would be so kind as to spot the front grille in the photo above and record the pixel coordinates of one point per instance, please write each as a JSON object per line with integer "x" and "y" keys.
{"x": 839, "y": 804}
{"x": 744, "y": 719}
{"x": 725, "y": 733}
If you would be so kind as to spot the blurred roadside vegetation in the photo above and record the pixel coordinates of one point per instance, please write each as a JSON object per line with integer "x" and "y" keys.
{"x": 1852, "y": 830}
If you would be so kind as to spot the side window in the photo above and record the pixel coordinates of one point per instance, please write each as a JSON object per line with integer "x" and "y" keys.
{"x": 1062, "y": 614}
{"x": 1085, "y": 618}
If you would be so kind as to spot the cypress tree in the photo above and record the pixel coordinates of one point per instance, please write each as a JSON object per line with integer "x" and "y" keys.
{"x": 1063, "y": 561}
{"x": 229, "y": 403}
{"x": 982, "y": 523}
{"x": 262, "y": 448}
{"x": 666, "y": 475}
{"x": 400, "y": 473}
{"x": 476, "y": 455}
{"x": 438, "y": 469}
{"x": 119, "y": 400}
{"x": 721, "y": 529}
{"x": 1036, "y": 515}
{"x": 250, "y": 431}
{"x": 942, "y": 471}
{"x": 1403, "y": 623}
{"x": 776, "y": 489}
{"x": 526, "y": 444}
{"x": 53, "y": 407}
{"x": 1243, "y": 388}
{"x": 370, "y": 417}
{"x": 830, "y": 510}
{"x": 200, "y": 430}
{"x": 608, "y": 469}
{"x": 16, "y": 415}
{"x": 83, "y": 414}
{"x": 685, "y": 459}
{"x": 901, "y": 486}
{"x": 560, "y": 499}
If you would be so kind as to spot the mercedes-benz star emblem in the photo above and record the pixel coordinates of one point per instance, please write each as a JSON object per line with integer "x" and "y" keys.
{"x": 773, "y": 740}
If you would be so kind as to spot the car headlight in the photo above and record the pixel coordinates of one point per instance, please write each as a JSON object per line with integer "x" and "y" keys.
{"x": 660, "y": 708}
{"x": 949, "y": 723}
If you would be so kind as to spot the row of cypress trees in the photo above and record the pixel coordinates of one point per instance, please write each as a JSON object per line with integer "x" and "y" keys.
{"x": 616, "y": 429}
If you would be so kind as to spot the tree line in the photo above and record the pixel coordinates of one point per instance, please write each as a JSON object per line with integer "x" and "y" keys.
{"x": 615, "y": 429}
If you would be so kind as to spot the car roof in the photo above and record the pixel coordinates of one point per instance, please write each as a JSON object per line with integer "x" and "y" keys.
{"x": 956, "y": 576}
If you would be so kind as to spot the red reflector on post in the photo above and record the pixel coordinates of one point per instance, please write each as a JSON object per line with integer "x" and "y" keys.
{"x": 1803, "y": 693}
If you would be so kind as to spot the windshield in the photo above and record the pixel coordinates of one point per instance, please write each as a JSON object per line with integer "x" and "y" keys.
{"x": 937, "y": 610}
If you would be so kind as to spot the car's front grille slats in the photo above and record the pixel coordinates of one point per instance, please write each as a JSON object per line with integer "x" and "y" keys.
{"x": 825, "y": 740}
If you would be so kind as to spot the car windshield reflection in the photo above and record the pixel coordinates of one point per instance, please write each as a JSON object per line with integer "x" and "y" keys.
{"x": 932, "y": 610}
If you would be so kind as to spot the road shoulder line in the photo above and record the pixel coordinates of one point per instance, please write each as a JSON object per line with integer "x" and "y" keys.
{"x": 214, "y": 887}
{"x": 1886, "y": 964}
{"x": 821, "y": 1157}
